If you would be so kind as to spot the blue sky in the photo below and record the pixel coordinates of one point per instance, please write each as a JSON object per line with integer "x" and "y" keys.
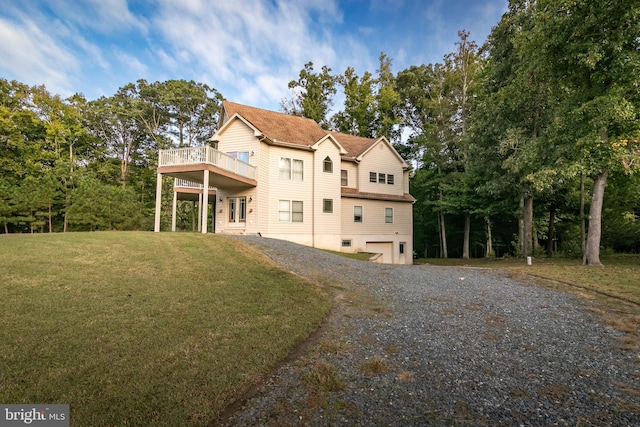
{"x": 246, "y": 49}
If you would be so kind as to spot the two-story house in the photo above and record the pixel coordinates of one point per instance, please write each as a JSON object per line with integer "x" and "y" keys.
{"x": 285, "y": 177}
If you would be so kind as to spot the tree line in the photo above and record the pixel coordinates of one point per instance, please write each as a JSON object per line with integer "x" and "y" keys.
{"x": 76, "y": 165}
{"x": 514, "y": 143}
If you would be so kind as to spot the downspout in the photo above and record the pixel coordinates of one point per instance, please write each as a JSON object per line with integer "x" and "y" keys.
{"x": 313, "y": 201}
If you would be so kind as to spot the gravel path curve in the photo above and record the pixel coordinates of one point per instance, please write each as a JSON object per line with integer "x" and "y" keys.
{"x": 424, "y": 345}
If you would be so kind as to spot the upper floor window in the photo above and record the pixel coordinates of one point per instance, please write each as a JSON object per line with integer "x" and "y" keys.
{"x": 327, "y": 165}
{"x": 291, "y": 169}
{"x": 327, "y": 205}
{"x": 344, "y": 178}
{"x": 381, "y": 178}
{"x": 240, "y": 155}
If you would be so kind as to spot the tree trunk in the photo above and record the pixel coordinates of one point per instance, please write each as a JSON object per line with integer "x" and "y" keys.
{"x": 489, "y": 240}
{"x": 583, "y": 233}
{"x": 552, "y": 229}
{"x": 467, "y": 231}
{"x": 527, "y": 249}
{"x": 521, "y": 226}
{"x": 592, "y": 249}
{"x": 50, "y": 219}
{"x": 443, "y": 235}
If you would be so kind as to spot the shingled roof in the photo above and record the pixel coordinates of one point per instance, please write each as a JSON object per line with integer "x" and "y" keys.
{"x": 285, "y": 128}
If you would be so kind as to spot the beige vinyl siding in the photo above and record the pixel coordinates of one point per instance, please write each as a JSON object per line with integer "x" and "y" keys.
{"x": 326, "y": 185}
{"x": 263, "y": 189}
{"x": 373, "y": 217}
{"x": 285, "y": 189}
{"x": 373, "y": 228}
{"x": 239, "y": 137}
{"x": 352, "y": 173}
{"x": 381, "y": 159}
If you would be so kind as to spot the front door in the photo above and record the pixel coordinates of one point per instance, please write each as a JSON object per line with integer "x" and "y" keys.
{"x": 237, "y": 211}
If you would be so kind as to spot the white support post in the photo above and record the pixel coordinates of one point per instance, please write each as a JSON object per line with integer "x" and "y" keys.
{"x": 156, "y": 226}
{"x": 205, "y": 201}
{"x": 199, "y": 212}
{"x": 174, "y": 209}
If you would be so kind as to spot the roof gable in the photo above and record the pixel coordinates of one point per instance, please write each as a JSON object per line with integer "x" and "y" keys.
{"x": 384, "y": 141}
{"x": 278, "y": 127}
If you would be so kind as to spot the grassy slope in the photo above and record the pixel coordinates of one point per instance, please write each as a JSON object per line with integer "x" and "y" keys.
{"x": 143, "y": 328}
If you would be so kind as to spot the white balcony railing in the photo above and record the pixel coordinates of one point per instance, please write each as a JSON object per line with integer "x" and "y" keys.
{"x": 184, "y": 183}
{"x": 208, "y": 155}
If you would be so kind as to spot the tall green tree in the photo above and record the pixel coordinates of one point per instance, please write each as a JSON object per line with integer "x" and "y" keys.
{"x": 312, "y": 94}
{"x": 359, "y": 114}
{"x": 590, "y": 50}
{"x": 464, "y": 63}
{"x": 428, "y": 110}
{"x": 388, "y": 101}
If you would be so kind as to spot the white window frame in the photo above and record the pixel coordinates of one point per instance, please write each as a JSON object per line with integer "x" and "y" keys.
{"x": 327, "y": 205}
{"x": 290, "y": 169}
{"x": 355, "y": 215}
{"x": 388, "y": 218}
{"x": 290, "y": 211}
{"x": 237, "y": 210}
{"x": 344, "y": 177}
{"x": 327, "y": 165}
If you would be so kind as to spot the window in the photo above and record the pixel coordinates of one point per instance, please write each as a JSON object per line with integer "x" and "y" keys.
{"x": 284, "y": 211}
{"x": 327, "y": 165}
{"x": 344, "y": 178}
{"x": 327, "y": 205}
{"x": 237, "y": 209}
{"x": 381, "y": 178}
{"x": 291, "y": 169}
{"x": 290, "y": 211}
{"x": 296, "y": 211}
{"x": 346, "y": 243}
{"x": 373, "y": 177}
{"x": 285, "y": 168}
{"x": 298, "y": 169}
{"x": 240, "y": 155}
{"x": 401, "y": 248}
{"x": 390, "y": 179}
{"x": 357, "y": 214}
{"x": 388, "y": 215}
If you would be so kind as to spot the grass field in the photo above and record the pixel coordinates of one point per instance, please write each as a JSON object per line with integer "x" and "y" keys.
{"x": 144, "y": 328}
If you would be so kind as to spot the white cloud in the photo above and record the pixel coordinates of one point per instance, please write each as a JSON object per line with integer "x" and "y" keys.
{"x": 130, "y": 62}
{"x": 253, "y": 47}
{"x": 105, "y": 16}
{"x": 32, "y": 56}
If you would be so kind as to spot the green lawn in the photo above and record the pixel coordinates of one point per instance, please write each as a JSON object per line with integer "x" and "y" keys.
{"x": 142, "y": 328}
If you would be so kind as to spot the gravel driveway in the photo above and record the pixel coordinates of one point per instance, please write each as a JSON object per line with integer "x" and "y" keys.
{"x": 424, "y": 345}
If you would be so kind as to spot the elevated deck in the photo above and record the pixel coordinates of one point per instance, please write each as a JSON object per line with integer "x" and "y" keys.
{"x": 189, "y": 163}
